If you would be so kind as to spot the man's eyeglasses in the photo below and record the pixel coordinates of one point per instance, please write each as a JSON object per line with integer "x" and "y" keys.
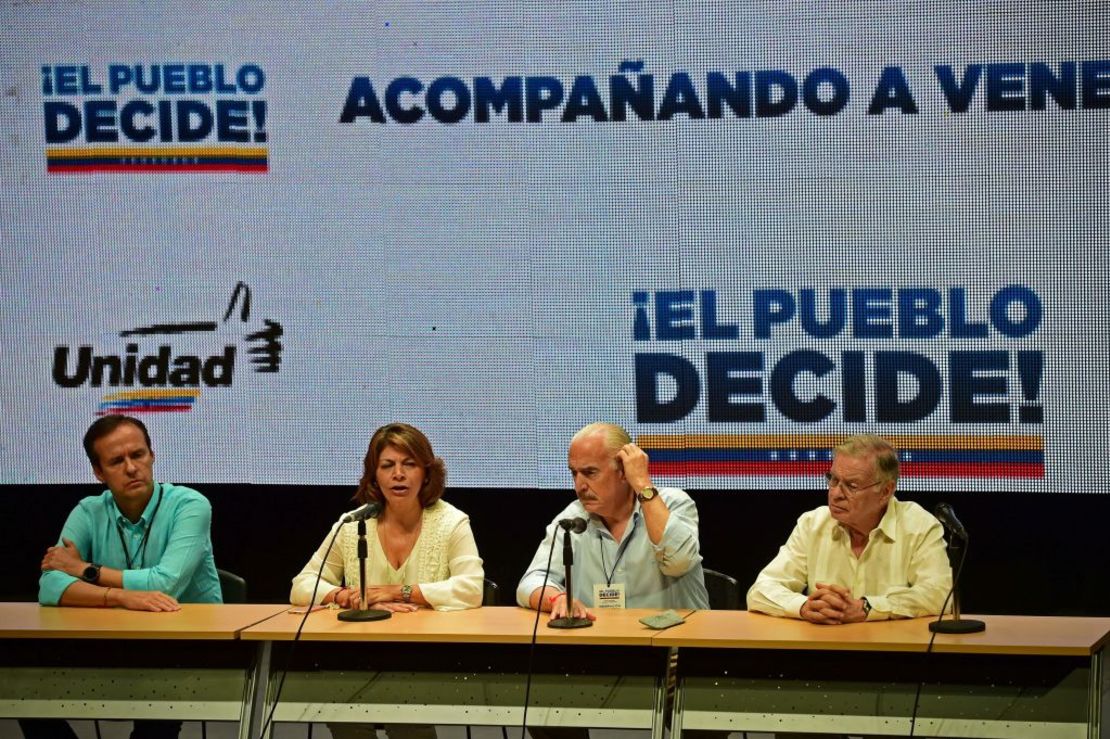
{"x": 848, "y": 488}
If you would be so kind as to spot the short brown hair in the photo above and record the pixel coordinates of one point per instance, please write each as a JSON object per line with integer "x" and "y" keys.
{"x": 413, "y": 442}
{"x": 105, "y": 425}
{"x": 886, "y": 456}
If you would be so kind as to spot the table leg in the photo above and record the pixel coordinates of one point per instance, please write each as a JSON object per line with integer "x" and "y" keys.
{"x": 1099, "y": 693}
{"x": 256, "y": 701}
{"x": 664, "y": 696}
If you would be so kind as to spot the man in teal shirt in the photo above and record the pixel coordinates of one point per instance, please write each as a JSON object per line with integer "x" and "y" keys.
{"x": 139, "y": 545}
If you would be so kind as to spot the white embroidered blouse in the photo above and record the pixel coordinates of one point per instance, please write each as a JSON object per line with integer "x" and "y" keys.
{"x": 444, "y": 562}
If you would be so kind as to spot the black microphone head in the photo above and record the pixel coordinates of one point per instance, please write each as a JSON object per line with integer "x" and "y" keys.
{"x": 574, "y": 525}
{"x": 947, "y": 517}
{"x": 370, "y": 510}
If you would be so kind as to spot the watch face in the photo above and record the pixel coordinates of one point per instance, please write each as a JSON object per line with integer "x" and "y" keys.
{"x": 92, "y": 573}
{"x": 648, "y": 493}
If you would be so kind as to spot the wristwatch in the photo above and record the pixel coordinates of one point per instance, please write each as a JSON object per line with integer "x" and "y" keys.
{"x": 647, "y": 493}
{"x": 866, "y": 606}
{"x": 91, "y": 573}
{"x": 406, "y": 593}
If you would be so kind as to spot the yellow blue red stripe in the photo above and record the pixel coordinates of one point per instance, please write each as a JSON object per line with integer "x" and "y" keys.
{"x": 87, "y": 159}
{"x": 149, "y": 401}
{"x": 927, "y": 455}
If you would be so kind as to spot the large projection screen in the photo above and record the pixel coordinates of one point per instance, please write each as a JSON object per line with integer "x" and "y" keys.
{"x": 741, "y": 230}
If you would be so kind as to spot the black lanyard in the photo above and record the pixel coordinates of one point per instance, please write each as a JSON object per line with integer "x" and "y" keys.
{"x": 141, "y": 551}
{"x": 620, "y": 553}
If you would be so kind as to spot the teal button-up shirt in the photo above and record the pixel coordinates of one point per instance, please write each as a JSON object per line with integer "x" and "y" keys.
{"x": 176, "y": 558}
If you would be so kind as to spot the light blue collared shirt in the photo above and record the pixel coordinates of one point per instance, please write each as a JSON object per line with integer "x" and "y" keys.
{"x": 176, "y": 560}
{"x": 665, "y": 576}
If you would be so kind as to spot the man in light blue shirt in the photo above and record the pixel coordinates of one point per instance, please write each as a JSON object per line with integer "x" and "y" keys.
{"x": 139, "y": 545}
{"x": 640, "y": 547}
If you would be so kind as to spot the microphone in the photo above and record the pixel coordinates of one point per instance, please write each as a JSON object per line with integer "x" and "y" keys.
{"x": 574, "y": 525}
{"x": 569, "y": 525}
{"x": 957, "y": 542}
{"x": 947, "y": 517}
{"x": 370, "y": 510}
{"x": 362, "y": 613}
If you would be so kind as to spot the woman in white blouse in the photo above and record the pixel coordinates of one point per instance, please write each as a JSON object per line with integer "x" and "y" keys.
{"x": 421, "y": 549}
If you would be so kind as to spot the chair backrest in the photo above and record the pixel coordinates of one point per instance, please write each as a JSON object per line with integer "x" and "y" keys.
{"x": 490, "y": 592}
{"x": 724, "y": 591}
{"x": 233, "y": 587}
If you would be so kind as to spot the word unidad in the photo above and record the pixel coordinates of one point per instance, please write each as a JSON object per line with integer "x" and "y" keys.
{"x": 160, "y": 369}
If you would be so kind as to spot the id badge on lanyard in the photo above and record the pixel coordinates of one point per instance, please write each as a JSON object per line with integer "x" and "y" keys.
{"x": 609, "y": 596}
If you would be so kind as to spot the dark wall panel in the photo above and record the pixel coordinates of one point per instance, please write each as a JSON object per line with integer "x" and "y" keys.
{"x": 1030, "y": 554}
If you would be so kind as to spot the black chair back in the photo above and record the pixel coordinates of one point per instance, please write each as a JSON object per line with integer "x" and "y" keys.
{"x": 490, "y": 593}
{"x": 724, "y": 591}
{"x": 233, "y": 587}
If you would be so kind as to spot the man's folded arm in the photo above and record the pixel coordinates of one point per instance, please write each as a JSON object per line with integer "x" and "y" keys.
{"x": 53, "y": 583}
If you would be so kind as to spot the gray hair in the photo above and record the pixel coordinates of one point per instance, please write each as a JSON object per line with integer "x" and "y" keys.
{"x": 859, "y": 445}
{"x": 615, "y": 436}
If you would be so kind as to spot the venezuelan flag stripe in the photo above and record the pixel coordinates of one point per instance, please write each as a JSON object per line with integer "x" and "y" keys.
{"x": 81, "y": 152}
{"x": 157, "y": 159}
{"x": 828, "y": 441}
{"x": 93, "y": 167}
{"x": 941, "y": 456}
{"x": 738, "y": 469}
{"x": 154, "y": 393}
{"x": 146, "y": 409}
{"x": 816, "y": 469}
{"x": 148, "y": 401}
{"x": 970, "y": 469}
{"x": 784, "y": 455}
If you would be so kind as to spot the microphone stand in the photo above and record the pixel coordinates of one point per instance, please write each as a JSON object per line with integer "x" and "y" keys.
{"x": 956, "y": 625}
{"x": 569, "y": 621}
{"x": 363, "y": 614}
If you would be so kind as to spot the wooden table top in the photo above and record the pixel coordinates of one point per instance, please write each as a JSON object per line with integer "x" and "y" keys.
{"x": 1004, "y": 634}
{"x": 193, "y": 621}
{"x": 498, "y": 625}
{"x": 1031, "y": 635}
